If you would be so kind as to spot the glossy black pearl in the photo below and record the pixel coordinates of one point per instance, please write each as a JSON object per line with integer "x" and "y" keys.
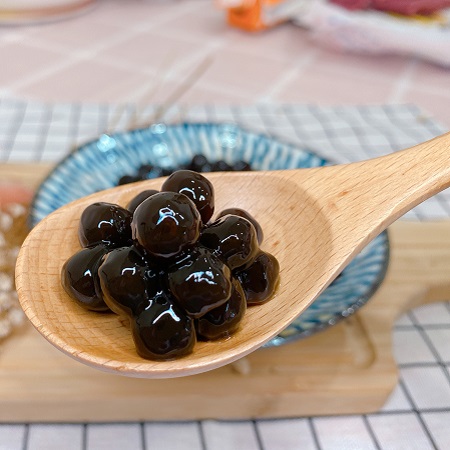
{"x": 105, "y": 223}
{"x": 80, "y": 279}
{"x": 194, "y": 186}
{"x": 221, "y": 166}
{"x": 198, "y": 162}
{"x": 161, "y": 330}
{"x": 200, "y": 282}
{"x": 224, "y": 320}
{"x": 246, "y": 215}
{"x": 260, "y": 280}
{"x": 127, "y": 179}
{"x": 145, "y": 172}
{"x": 241, "y": 166}
{"x": 127, "y": 280}
{"x": 233, "y": 239}
{"x": 138, "y": 199}
{"x": 165, "y": 223}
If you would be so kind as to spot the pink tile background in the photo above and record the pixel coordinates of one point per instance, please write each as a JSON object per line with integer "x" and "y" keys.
{"x": 117, "y": 49}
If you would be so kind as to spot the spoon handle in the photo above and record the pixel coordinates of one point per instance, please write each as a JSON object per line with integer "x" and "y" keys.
{"x": 369, "y": 195}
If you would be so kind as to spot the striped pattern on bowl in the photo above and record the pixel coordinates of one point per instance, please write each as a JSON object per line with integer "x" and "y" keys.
{"x": 99, "y": 165}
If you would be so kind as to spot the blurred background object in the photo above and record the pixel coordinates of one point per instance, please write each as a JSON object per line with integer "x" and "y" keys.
{"x": 13, "y": 228}
{"x": 406, "y": 7}
{"x": 418, "y": 28}
{"x": 26, "y": 11}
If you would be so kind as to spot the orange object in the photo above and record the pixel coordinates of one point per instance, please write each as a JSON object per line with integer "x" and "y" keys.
{"x": 251, "y": 15}
{"x": 247, "y": 17}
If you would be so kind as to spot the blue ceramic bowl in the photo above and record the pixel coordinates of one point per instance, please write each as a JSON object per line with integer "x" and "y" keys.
{"x": 99, "y": 165}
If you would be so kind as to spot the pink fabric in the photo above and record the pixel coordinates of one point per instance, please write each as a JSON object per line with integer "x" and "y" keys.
{"x": 406, "y": 7}
{"x": 353, "y": 4}
{"x": 411, "y": 7}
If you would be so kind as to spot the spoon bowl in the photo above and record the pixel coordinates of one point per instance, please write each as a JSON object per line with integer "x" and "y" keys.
{"x": 314, "y": 221}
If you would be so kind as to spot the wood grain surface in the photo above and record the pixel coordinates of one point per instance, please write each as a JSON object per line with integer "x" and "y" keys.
{"x": 347, "y": 369}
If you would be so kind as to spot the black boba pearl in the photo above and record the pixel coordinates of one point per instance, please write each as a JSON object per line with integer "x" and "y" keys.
{"x": 127, "y": 280}
{"x": 246, "y": 215}
{"x": 233, "y": 239}
{"x": 105, "y": 223}
{"x": 166, "y": 172}
{"x": 161, "y": 330}
{"x": 144, "y": 171}
{"x": 148, "y": 171}
{"x": 221, "y": 166}
{"x": 206, "y": 168}
{"x": 200, "y": 282}
{"x": 126, "y": 179}
{"x": 165, "y": 223}
{"x": 224, "y": 320}
{"x": 156, "y": 172}
{"x": 241, "y": 166}
{"x": 80, "y": 279}
{"x": 138, "y": 199}
{"x": 260, "y": 280}
{"x": 197, "y": 163}
{"x": 194, "y": 186}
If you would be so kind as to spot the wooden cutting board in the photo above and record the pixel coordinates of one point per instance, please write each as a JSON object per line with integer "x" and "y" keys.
{"x": 347, "y": 369}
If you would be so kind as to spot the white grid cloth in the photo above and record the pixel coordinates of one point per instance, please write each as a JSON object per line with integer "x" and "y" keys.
{"x": 417, "y": 414}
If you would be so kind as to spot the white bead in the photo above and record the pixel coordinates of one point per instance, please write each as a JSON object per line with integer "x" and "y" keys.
{"x": 6, "y": 282}
{"x": 5, "y": 328}
{"x": 6, "y": 221}
{"x": 16, "y": 209}
{"x": 5, "y": 301}
{"x": 16, "y": 317}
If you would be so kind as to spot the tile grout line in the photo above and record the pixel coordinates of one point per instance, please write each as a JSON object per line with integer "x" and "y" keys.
{"x": 26, "y": 437}
{"x": 143, "y": 435}
{"x": 417, "y": 412}
{"x": 173, "y": 71}
{"x": 201, "y": 433}
{"x": 85, "y": 55}
{"x": 314, "y": 434}
{"x": 371, "y": 432}
{"x": 171, "y": 75}
{"x": 258, "y": 437}
{"x": 84, "y": 437}
{"x": 44, "y": 132}
{"x": 404, "y": 82}
{"x": 289, "y": 75}
{"x": 8, "y": 149}
{"x": 428, "y": 342}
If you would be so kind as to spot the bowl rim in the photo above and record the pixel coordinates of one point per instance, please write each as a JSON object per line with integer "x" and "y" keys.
{"x": 335, "y": 318}
{"x": 79, "y": 147}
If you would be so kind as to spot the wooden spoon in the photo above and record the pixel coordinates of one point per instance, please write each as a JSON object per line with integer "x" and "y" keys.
{"x": 314, "y": 220}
